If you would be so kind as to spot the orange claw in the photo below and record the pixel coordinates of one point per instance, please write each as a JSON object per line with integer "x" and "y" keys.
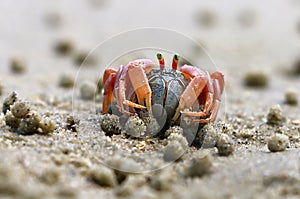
{"x": 137, "y": 71}
{"x": 133, "y": 76}
{"x": 201, "y": 82}
{"x": 218, "y": 89}
{"x": 198, "y": 80}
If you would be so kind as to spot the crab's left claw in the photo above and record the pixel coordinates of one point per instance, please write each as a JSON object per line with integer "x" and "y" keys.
{"x": 137, "y": 75}
{"x": 136, "y": 72}
{"x": 218, "y": 86}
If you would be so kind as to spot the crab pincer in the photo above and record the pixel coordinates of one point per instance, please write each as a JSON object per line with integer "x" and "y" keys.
{"x": 128, "y": 79}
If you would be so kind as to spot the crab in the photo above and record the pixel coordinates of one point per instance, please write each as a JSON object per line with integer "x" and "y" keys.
{"x": 188, "y": 91}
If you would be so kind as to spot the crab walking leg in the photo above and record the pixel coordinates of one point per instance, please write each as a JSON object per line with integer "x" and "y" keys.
{"x": 136, "y": 72}
{"x": 109, "y": 82}
{"x": 107, "y": 73}
{"x": 216, "y": 102}
{"x": 218, "y": 86}
{"x": 190, "y": 94}
{"x": 191, "y": 73}
{"x": 220, "y": 77}
{"x": 213, "y": 115}
{"x": 120, "y": 88}
{"x": 210, "y": 95}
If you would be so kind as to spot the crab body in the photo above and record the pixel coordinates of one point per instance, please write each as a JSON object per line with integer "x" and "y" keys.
{"x": 167, "y": 86}
{"x": 164, "y": 92}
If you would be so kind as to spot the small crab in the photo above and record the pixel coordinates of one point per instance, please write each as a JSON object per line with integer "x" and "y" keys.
{"x": 189, "y": 91}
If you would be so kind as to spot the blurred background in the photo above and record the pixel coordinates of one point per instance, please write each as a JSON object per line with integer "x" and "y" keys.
{"x": 52, "y": 38}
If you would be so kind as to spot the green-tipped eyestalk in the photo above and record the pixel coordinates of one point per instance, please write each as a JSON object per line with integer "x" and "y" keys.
{"x": 175, "y": 62}
{"x": 161, "y": 61}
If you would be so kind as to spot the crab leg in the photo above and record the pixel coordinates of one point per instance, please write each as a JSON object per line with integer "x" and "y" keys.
{"x": 218, "y": 84}
{"x": 107, "y": 73}
{"x": 191, "y": 93}
{"x": 220, "y": 78}
{"x": 208, "y": 101}
{"x": 120, "y": 88}
{"x": 135, "y": 72}
{"x": 215, "y": 86}
{"x": 109, "y": 78}
{"x": 198, "y": 81}
{"x": 139, "y": 81}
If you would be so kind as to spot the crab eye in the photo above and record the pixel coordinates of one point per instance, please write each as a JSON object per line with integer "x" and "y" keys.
{"x": 176, "y": 57}
{"x": 159, "y": 56}
{"x": 161, "y": 60}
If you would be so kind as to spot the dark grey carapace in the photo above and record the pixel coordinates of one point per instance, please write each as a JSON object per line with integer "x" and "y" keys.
{"x": 167, "y": 85}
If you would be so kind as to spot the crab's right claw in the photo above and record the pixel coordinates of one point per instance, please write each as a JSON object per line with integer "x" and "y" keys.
{"x": 197, "y": 82}
{"x": 137, "y": 74}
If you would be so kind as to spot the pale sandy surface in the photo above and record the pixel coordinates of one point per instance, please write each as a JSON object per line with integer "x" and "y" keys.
{"x": 270, "y": 45}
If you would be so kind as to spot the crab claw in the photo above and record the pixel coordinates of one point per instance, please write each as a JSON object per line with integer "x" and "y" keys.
{"x": 135, "y": 72}
{"x": 147, "y": 64}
